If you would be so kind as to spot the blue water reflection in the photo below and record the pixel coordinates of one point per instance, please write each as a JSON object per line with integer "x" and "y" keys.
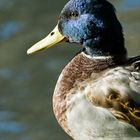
{"x": 129, "y": 4}
{"x": 12, "y": 127}
{"x": 6, "y": 74}
{"x": 9, "y": 126}
{"x": 8, "y": 29}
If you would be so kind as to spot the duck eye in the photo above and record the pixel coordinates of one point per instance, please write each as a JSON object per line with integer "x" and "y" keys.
{"x": 74, "y": 14}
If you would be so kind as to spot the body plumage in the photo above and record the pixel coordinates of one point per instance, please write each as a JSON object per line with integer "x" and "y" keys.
{"x": 101, "y": 97}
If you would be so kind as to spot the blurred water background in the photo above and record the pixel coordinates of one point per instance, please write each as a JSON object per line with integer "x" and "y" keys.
{"x": 27, "y": 82}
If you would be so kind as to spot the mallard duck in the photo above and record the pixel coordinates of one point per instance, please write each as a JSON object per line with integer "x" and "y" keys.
{"x": 97, "y": 95}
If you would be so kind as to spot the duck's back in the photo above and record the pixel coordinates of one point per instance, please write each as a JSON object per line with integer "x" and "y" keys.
{"x": 99, "y": 100}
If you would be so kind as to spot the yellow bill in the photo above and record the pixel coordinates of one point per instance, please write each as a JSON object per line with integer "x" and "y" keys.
{"x": 53, "y": 38}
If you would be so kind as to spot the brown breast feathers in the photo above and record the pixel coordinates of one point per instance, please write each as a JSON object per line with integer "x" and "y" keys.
{"x": 79, "y": 69}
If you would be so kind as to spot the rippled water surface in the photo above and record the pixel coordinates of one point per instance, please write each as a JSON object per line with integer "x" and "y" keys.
{"x": 27, "y": 82}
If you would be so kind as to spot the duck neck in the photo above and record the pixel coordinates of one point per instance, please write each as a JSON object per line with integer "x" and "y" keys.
{"x": 110, "y": 42}
{"x": 107, "y": 48}
{"x": 105, "y": 51}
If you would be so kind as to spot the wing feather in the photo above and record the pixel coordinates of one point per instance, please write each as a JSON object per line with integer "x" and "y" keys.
{"x": 118, "y": 90}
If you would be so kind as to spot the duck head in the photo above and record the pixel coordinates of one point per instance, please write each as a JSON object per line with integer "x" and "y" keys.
{"x": 92, "y": 24}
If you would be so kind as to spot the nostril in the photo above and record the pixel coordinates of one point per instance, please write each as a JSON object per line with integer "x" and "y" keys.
{"x": 52, "y": 33}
